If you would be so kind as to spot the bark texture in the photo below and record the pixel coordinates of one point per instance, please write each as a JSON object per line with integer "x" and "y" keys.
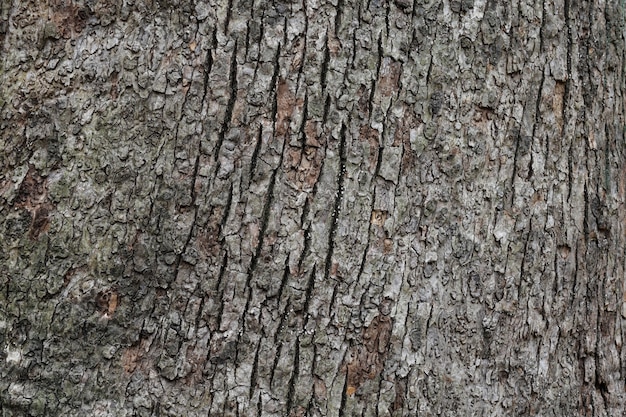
{"x": 312, "y": 208}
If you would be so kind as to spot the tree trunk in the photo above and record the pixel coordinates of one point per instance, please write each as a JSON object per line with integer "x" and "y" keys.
{"x": 376, "y": 208}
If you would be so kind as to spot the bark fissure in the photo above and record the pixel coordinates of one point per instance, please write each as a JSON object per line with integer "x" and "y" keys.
{"x": 309, "y": 292}
{"x": 537, "y": 123}
{"x": 341, "y": 174}
{"x": 264, "y": 222}
{"x": 304, "y": 47}
{"x": 228, "y": 114}
{"x": 293, "y": 379}
{"x": 219, "y": 287}
{"x": 376, "y": 77}
{"x": 255, "y": 154}
{"x": 325, "y": 65}
{"x": 344, "y": 391}
{"x": 302, "y": 129}
{"x": 542, "y": 27}
{"x": 208, "y": 66}
{"x": 229, "y": 10}
{"x": 338, "y": 13}
{"x": 566, "y": 98}
{"x": 274, "y": 83}
{"x": 255, "y": 371}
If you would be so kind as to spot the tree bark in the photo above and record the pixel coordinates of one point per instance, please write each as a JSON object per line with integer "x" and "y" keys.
{"x": 308, "y": 208}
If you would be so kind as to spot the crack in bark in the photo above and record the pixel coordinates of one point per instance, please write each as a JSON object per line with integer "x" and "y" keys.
{"x": 374, "y": 81}
{"x": 537, "y": 116}
{"x": 228, "y": 16}
{"x": 220, "y": 290}
{"x": 274, "y": 84}
{"x": 304, "y": 48}
{"x": 309, "y": 292}
{"x": 568, "y": 82}
{"x": 344, "y": 391}
{"x": 325, "y": 63}
{"x": 255, "y": 370}
{"x": 264, "y": 221}
{"x": 302, "y": 129}
{"x": 326, "y": 109}
{"x": 338, "y": 15}
{"x": 255, "y": 155}
{"x": 208, "y": 66}
{"x": 231, "y": 103}
{"x": 279, "y": 349}
{"x": 293, "y": 380}
{"x": 336, "y": 207}
{"x": 542, "y": 27}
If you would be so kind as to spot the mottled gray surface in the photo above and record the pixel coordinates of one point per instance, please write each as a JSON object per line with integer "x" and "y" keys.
{"x": 377, "y": 208}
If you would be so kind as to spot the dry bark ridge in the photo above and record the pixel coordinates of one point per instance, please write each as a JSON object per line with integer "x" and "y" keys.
{"x": 308, "y": 208}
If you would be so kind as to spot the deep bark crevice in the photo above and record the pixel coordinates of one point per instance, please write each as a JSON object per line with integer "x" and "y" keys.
{"x": 228, "y": 114}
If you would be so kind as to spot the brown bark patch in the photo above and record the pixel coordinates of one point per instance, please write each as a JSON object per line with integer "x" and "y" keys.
{"x": 129, "y": 359}
{"x": 312, "y": 133}
{"x": 390, "y": 71}
{"x": 319, "y": 389}
{"x": 557, "y": 103}
{"x": 68, "y": 18}
{"x": 402, "y": 137}
{"x": 366, "y": 133}
{"x": 286, "y": 101}
{"x": 564, "y": 251}
{"x": 367, "y": 359}
{"x": 132, "y": 356}
{"x": 378, "y": 217}
{"x": 299, "y": 411}
{"x": 208, "y": 239}
{"x": 363, "y": 100}
{"x": 400, "y": 389}
{"x": 304, "y": 167}
{"x": 107, "y": 301}
{"x": 333, "y": 44}
{"x": 33, "y": 196}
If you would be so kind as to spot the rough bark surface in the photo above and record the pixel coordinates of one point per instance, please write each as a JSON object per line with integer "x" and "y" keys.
{"x": 309, "y": 208}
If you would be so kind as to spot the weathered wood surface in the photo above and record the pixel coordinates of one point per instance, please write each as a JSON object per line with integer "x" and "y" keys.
{"x": 376, "y": 208}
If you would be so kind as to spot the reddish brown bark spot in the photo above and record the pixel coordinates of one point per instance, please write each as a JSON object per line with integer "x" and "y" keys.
{"x": 208, "y": 239}
{"x": 557, "y": 103}
{"x": 390, "y": 71}
{"x": 107, "y": 301}
{"x": 132, "y": 356}
{"x": 33, "y": 196}
{"x": 367, "y": 359}
{"x": 303, "y": 166}
{"x": 286, "y": 101}
{"x": 366, "y": 133}
{"x": 378, "y": 217}
{"x": 68, "y": 18}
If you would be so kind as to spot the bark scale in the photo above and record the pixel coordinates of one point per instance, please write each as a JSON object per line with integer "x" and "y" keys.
{"x": 376, "y": 208}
